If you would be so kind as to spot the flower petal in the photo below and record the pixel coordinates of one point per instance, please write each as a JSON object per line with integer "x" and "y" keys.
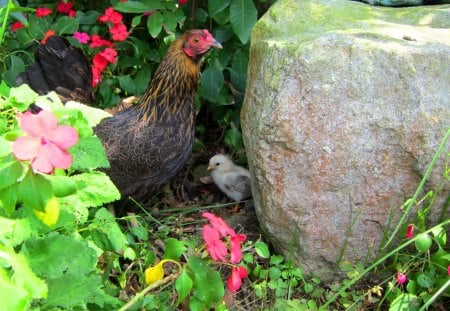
{"x": 38, "y": 124}
{"x": 63, "y": 136}
{"x": 219, "y": 224}
{"x": 58, "y": 157}
{"x": 26, "y": 147}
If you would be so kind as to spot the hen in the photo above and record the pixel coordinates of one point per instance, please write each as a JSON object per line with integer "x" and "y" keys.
{"x": 149, "y": 143}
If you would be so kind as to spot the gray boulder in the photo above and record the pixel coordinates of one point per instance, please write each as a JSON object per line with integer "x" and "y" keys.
{"x": 345, "y": 107}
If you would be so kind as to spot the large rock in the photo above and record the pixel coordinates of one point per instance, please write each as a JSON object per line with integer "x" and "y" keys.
{"x": 345, "y": 107}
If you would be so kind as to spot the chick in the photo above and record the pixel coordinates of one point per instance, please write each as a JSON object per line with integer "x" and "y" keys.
{"x": 231, "y": 179}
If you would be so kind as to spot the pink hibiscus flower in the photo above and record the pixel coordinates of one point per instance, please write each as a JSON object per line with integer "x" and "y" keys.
{"x": 219, "y": 224}
{"x": 235, "y": 247}
{"x": 46, "y": 144}
{"x": 235, "y": 281}
{"x": 82, "y": 37}
{"x": 215, "y": 247}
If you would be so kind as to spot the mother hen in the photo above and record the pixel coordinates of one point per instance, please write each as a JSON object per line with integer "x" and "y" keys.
{"x": 149, "y": 143}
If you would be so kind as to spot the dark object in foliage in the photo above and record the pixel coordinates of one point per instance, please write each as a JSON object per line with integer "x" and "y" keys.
{"x": 149, "y": 143}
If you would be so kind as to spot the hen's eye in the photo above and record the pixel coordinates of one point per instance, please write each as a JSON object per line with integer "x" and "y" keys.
{"x": 196, "y": 40}
{"x": 217, "y": 164}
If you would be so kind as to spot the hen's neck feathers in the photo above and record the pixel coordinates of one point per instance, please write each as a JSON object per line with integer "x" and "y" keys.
{"x": 175, "y": 78}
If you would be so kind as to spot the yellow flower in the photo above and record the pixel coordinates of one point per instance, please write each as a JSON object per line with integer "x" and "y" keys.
{"x": 50, "y": 214}
{"x": 154, "y": 274}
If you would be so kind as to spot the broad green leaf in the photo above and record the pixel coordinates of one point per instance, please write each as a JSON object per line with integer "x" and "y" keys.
{"x": 9, "y": 289}
{"x": 243, "y": 16}
{"x": 425, "y": 280}
{"x": 238, "y": 72}
{"x": 440, "y": 236}
{"x": 8, "y": 199}
{"x": 62, "y": 185}
{"x": 170, "y": 20}
{"x": 24, "y": 95}
{"x": 233, "y": 138}
{"x": 88, "y": 154}
{"x": 215, "y": 6}
{"x": 154, "y": 24}
{"x": 208, "y": 287}
{"x": 274, "y": 273}
{"x": 405, "y": 302}
{"x": 91, "y": 114}
{"x": 212, "y": 81}
{"x": 14, "y": 231}
{"x": 106, "y": 233}
{"x": 136, "y": 21}
{"x": 183, "y": 286}
{"x": 16, "y": 66}
{"x": 142, "y": 79}
{"x": 10, "y": 171}
{"x": 262, "y": 249}
{"x": 4, "y": 89}
{"x": 65, "y": 25}
{"x": 423, "y": 242}
{"x": 139, "y": 6}
{"x": 95, "y": 189}
{"x": 174, "y": 249}
{"x": 4, "y": 150}
{"x": 127, "y": 84}
{"x": 50, "y": 102}
{"x": 35, "y": 191}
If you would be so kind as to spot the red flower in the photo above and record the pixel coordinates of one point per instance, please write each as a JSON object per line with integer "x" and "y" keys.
{"x": 235, "y": 281}
{"x": 219, "y": 224}
{"x": 96, "y": 76}
{"x": 42, "y": 12}
{"x": 235, "y": 247}
{"x": 448, "y": 270}
{"x": 401, "y": 278}
{"x": 215, "y": 247}
{"x": 64, "y": 7}
{"x": 97, "y": 41}
{"x": 46, "y": 144}
{"x": 409, "y": 231}
{"x": 82, "y": 37}
{"x": 16, "y": 26}
{"x": 72, "y": 13}
{"x": 111, "y": 16}
{"x": 181, "y": 2}
{"x": 47, "y": 35}
{"x": 119, "y": 32}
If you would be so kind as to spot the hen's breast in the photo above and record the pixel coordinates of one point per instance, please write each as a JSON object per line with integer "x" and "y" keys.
{"x": 145, "y": 154}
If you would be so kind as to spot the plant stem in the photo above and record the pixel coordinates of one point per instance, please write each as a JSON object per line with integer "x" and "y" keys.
{"x": 5, "y": 19}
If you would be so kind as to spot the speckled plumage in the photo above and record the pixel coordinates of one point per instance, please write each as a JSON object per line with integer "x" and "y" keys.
{"x": 149, "y": 143}
{"x": 231, "y": 179}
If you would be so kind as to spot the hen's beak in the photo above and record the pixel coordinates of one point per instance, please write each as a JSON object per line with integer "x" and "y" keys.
{"x": 209, "y": 168}
{"x": 217, "y": 45}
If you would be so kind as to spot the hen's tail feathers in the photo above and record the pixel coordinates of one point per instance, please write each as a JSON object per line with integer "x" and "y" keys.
{"x": 62, "y": 68}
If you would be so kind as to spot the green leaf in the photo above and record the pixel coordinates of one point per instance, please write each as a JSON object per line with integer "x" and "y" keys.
{"x": 183, "y": 286}
{"x": 95, "y": 189}
{"x": 16, "y": 66}
{"x": 127, "y": 84}
{"x": 212, "y": 81}
{"x": 233, "y": 138}
{"x": 106, "y": 233}
{"x": 440, "y": 236}
{"x": 66, "y": 25}
{"x": 238, "y": 72}
{"x": 91, "y": 114}
{"x": 142, "y": 79}
{"x": 154, "y": 24}
{"x": 8, "y": 289}
{"x": 88, "y": 154}
{"x": 35, "y": 191}
{"x": 174, "y": 249}
{"x": 8, "y": 200}
{"x": 262, "y": 249}
{"x": 274, "y": 273}
{"x": 425, "y": 280}
{"x": 24, "y": 96}
{"x": 243, "y": 16}
{"x": 215, "y": 7}
{"x": 139, "y": 6}
{"x": 405, "y": 302}
{"x": 10, "y": 170}
{"x": 423, "y": 242}
{"x": 62, "y": 185}
{"x": 14, "y": 231}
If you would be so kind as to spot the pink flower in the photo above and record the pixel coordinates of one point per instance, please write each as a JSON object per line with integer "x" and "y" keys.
{"x": 46, "y": 144}
{"x": 82, "y": 37}
{"x": 215, "y": 247}
{"x": 16, "y": 26}
{"x": 111, "y": 16}
{"x": 97, "y": 41}
{"x": 401, "y": 278}
{"x": 448, "y": 270}
{"x": 42, "y": 12}
{"x": 235, "y": 247}
{"x": 409, "y": 231}
{"x": 119, "y": 32}
{"x": 235, "y": 281}
{"x": 64, "y": 7}
{"x": 181, "y": 2}
{"x": 219, "y": 224}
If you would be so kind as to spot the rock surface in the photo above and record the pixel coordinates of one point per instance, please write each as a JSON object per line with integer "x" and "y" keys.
{"x": 345, "y": 107}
